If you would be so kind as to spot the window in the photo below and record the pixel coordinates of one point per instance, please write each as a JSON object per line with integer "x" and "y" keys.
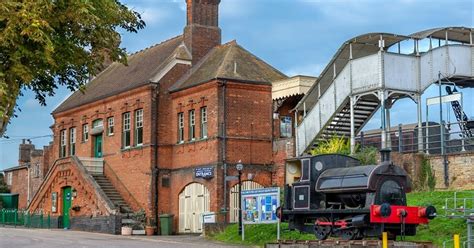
{"x": 62, "y": 148}
{"x": 203, "y": 122}
{"x": 97, "y": 123}
{"x": 192, "y": 125}
{"x": 85, "y": 133}
{"x": 9, "y": 178}
{"x": 110, "y": 126}
{"x": 72, "y": 141}
{"x": 36, "y": 170}
{"x": 138, "y": 127}
{"x": 180, "y": 127}
{"x": 126, "y": 130}
{"x": 285, "y": 127}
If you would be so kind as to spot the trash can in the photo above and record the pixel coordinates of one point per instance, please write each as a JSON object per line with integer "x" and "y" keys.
{"x": 166, "y": 224}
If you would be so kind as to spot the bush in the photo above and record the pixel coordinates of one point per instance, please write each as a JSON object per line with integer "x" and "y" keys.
{"x": 426, "y": 179}
{"x": 342, "y": 145}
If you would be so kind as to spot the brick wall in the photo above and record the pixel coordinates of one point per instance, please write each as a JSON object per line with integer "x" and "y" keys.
{"x": 20, "y": 186}
{"x": 120, "y": 162}
{"x": 461, "y": 173}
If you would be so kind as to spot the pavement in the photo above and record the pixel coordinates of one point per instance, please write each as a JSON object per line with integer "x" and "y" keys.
{"x": 57, "y": 238}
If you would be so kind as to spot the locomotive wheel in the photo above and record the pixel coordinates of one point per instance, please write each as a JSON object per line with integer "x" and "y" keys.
{"x": 322, "y": 232}
{"x": 349, "y": 234}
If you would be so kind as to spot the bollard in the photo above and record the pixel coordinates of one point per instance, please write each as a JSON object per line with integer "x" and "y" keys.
{"x": 456, "y": 240}
{"x": 384, "y": 240}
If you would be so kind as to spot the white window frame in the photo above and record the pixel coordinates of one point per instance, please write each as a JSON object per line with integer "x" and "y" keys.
{"x": 85, "y": 132}
{"x": 192, "y": 124}
{"x": 62, "y": 145}
{"x": 126, "y": 126}
{"x": 203, "y": 122}
{"x": 72, "y": 141}
{"x": 138, "y": 126}
{"x": 110, "y": 126}
{"x": 9, "y": 178}
{"x": 181, "y": 127}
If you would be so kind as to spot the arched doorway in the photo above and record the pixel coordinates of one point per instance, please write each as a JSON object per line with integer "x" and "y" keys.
{"x": 193, "y": 201}
{"x": 234, "y": 198}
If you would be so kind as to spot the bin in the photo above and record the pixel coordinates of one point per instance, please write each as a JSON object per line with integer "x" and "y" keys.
{"x": 166, "y": 224}
{"x": 9, "y": 201}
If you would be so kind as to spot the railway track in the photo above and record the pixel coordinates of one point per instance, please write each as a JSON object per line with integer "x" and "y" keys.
{"x": 346, "y": 243}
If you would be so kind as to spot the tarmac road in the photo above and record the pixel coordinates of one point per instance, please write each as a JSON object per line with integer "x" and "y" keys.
{"x": 56, "y": 238}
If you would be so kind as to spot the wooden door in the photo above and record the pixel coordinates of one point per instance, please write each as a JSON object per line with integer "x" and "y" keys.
{"x": 193, "y": 202}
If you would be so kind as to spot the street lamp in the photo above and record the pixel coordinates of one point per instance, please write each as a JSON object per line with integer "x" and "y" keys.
{"x": 239, "y": 168}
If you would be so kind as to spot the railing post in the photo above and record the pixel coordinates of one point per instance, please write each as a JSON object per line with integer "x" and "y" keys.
{"x": 400, "y": 138}
{"x": 49, "y": 220}
{"x": 361, "y": 140}
{"x": 41, "y": 220}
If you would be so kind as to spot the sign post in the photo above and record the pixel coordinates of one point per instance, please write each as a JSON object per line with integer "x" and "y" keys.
{"x": 259, "y": 206}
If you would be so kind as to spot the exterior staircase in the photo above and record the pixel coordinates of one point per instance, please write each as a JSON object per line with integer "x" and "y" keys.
{"x": 113, "y": 194}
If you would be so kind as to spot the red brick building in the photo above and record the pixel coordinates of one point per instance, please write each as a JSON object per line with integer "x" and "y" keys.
{"x": 162, "y": 133}
{"x": 26, "y": 178}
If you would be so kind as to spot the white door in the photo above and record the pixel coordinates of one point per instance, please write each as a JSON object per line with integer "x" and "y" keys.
{"x": 193, "y": 202}
{"x": 234, "y": 198}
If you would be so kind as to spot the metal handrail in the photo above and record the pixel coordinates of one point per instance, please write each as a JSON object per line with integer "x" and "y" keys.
{"x": 121, "y": 183}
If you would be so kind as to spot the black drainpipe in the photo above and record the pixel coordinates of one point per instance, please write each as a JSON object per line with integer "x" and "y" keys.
{"x": 224, "y": 141}
{"x": 154, "y": 135}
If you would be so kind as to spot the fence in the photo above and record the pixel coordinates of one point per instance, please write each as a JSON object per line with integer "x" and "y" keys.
{"x": 13, "y": 217}
{"x": 435, "y": 138}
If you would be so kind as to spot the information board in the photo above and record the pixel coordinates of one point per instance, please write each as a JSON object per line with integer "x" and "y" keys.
{"x": 259, "y": 206}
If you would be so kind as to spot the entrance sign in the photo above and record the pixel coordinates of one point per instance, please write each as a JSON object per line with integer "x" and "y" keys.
{"x": 259, "y": 206}
{"x": 204, "y": 172}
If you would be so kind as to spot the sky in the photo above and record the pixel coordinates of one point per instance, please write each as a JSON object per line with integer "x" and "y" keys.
{"x": 294, "y": 36}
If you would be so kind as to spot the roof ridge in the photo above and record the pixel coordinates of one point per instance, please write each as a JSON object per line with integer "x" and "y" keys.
{"x": 155, "y": 45}
{"x": 262, "y": 61}
{"x": 224, "y": 59}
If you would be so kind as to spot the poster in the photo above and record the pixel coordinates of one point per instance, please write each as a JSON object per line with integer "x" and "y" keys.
{"x": 260, "y": 205}
{"x": 54, "y": 202}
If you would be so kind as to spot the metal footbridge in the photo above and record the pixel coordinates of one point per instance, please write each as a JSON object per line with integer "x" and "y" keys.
{"x": 370, "y": 72}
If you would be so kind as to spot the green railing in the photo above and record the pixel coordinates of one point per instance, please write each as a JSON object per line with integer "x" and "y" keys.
{"x": 13, "y": 217}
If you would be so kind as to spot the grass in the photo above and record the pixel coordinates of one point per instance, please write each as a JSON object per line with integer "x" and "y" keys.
{"x": 439, "y": 230}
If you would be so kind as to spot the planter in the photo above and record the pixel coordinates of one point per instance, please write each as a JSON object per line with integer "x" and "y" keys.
{"x": 150, "y": 230}
{"x": 138, "y": 232}
{"x": 126, "y": 231}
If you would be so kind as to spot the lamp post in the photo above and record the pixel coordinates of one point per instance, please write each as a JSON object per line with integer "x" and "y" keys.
{"x": 239, "y": 168}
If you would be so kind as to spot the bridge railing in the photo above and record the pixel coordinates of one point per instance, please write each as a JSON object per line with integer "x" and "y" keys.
{"x": 405, "y": 140}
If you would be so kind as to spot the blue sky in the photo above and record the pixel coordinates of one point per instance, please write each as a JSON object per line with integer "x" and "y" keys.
{"x": 295, "y": 36}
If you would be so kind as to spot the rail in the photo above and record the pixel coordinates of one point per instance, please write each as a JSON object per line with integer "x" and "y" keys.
{"x": 436, "y": 139}
{"x": 93, "y": 165}
{"x": 346, "y": 243}
{"x": 23, "y": 218}
{"x": 121, "y": 184}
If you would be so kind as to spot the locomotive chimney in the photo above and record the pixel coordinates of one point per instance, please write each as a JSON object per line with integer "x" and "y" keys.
{"x": 385, "y": 155}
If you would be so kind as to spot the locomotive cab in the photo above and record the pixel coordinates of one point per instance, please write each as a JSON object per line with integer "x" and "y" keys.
{"x": 337, "y": 196}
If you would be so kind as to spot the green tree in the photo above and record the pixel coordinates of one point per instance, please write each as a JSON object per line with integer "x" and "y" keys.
{"x": 3, "y": 184}
{"x": 49, "y": 43}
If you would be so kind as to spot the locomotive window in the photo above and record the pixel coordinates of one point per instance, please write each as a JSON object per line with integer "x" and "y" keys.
{"x": 391, "y": 192}
{"x": 305, "y": 169}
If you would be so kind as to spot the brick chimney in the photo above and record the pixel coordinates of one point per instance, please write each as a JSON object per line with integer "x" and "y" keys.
{"x": 202, "y": 32}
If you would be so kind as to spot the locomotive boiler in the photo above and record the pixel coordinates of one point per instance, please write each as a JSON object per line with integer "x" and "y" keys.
{"x": 336, "y": 196}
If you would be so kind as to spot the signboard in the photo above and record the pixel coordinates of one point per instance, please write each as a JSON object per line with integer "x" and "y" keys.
{"x": 204, "y": 172}
{"x": 260, "y": 205}
{"x": 209, "y": 217}
{"x": 444, "y": 99}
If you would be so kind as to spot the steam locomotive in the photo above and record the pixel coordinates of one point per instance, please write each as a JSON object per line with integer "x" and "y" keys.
{"x": 336, "y": 196}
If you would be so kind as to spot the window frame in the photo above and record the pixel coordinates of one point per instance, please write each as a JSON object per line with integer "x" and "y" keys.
{"x": 110, "y": 126}
{"x": 203, "y": 127}
{"x": 62, "y": 143}
{"x": 180, "y": 127}
{"x": 72, "y": 141}
{"x": 126, "y": 127}
{"x": 192, "y": 125}
{"x": 138, "y": 127}
{"x": 85, "y": 132}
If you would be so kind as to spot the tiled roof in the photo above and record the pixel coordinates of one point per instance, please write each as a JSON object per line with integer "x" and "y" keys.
{"x": 118, "y": 78}
{"x": 229, "y": 61}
